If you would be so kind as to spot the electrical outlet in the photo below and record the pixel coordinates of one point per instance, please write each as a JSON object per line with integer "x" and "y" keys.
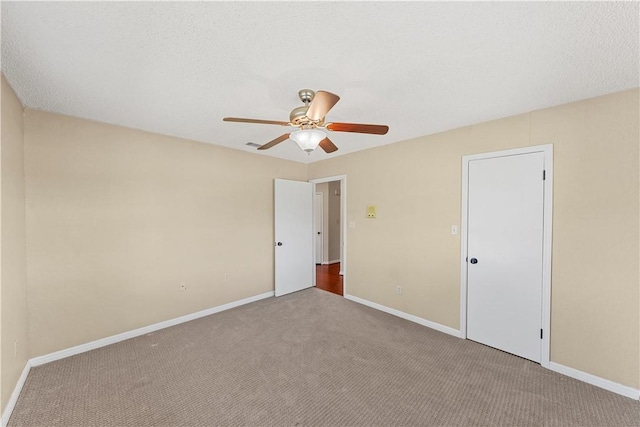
{"x": 371, "y": 211}
{"x": 182, "y": 286}
{"x": 398, "y": 290}
{"x": 226, "y": 277}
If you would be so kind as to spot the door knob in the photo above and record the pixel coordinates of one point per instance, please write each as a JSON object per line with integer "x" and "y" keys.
{"x": 473, "y": 260}
{"x": 279, "y": 243}
{"x": 318, "y": 232}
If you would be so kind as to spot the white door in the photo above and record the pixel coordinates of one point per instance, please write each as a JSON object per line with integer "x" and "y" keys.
{"x": 505, "y": 253}
{"x": 294, "y": 236}
{"x": 319, "y": 208}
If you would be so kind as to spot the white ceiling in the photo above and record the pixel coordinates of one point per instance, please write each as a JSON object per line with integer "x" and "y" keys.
{"x": 420, "y": 67}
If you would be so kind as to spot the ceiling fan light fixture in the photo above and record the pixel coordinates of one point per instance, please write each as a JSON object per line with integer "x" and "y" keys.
{"x": 308, "y": 139}
{"x": 308, "y": 118}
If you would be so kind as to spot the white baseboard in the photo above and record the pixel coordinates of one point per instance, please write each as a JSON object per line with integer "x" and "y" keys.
{"x": 556, "y": 367}
{"x": 40, "y": 360}
{"x": 596, "y": 381}
{"x": 6, "y": 414}
{"x": 406, "y": 316}
{"x": 36, "y": 361}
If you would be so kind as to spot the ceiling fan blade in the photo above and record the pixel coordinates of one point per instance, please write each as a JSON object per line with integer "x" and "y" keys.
{"x": 321, "y": 104}
{"x": 262, "y": 122}
{"x": 328, "y": 146}
{"x": 358, "y": 128}
{"x": 276, "y": 141}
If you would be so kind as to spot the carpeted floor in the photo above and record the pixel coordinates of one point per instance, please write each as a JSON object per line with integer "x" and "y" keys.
{"x": 310, "y": 358}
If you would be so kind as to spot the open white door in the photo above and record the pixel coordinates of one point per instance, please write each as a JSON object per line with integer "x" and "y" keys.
{"x": 294, "y": 236}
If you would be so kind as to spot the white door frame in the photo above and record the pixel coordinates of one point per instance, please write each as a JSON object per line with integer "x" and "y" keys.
{"x": 343, "y": 225}
{"x": 546, "y": 246}
{"x": 318, "y": 213}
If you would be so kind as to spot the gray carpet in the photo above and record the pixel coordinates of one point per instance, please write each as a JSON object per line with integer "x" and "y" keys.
{"x": 309, "y": 358}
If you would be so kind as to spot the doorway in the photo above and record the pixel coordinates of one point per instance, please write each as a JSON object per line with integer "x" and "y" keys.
{"x": 506, "y": 250}
{"x": 331, "y": 264}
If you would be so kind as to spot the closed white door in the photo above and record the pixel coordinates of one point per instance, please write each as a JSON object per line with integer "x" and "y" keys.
{"x": 505, "y": 253}
{"x": 294, "y": 236}
{"x": 319, "y": 208}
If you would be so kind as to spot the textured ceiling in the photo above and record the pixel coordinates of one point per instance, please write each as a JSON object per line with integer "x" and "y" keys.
{"x": 420, "y": 67}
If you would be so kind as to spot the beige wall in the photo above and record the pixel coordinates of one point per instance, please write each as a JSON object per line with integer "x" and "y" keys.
{"x": 334, "y": 221}
{"x": 417, "y": 191}
{"x": 595, "y": 291}
{"x": 117, "y": 218}
{"x": 13, "y": 280}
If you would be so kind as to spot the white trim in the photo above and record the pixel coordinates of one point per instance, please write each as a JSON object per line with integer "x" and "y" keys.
{"x": 343, "y": 225}
{"x": 406, "y": 316}
{"x": 603, "y": 383}
{"x": 614, "y": 387}
{"x": 40, "y": 360}
{"x": 463, "y": 248}
{"x": 11, "y": 404}
{"x": 547, "y": 239}
{"x": 547, "y": 249}
{"x": 333, "y": 261}
{"x": 315, "y": 229}
{"x": 328, "y": 179}
{"x": 36, "y": 361}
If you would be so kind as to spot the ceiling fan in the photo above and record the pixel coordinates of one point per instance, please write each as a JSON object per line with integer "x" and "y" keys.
{"x": 309, "y": 118}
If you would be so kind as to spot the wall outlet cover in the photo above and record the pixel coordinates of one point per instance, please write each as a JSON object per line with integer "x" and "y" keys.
{"x": 371, "y": 211}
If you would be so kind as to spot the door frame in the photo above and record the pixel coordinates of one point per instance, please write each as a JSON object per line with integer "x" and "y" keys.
{"x": 315, "y": 225}
{"x": 547, "y": 150}
{"x": 343, "y": 225}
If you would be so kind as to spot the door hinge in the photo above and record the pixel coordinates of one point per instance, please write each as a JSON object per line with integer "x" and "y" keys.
{"x": 544, "y": 175}
{"x": 540, "y": 333}
{"x": 466, "y": 259}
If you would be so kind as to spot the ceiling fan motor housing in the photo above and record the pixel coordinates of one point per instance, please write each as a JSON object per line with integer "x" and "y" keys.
{"x": 298, "y": 115}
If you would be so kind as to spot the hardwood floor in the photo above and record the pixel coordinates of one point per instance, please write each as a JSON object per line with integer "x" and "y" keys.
{"x": 328, "y": 278}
